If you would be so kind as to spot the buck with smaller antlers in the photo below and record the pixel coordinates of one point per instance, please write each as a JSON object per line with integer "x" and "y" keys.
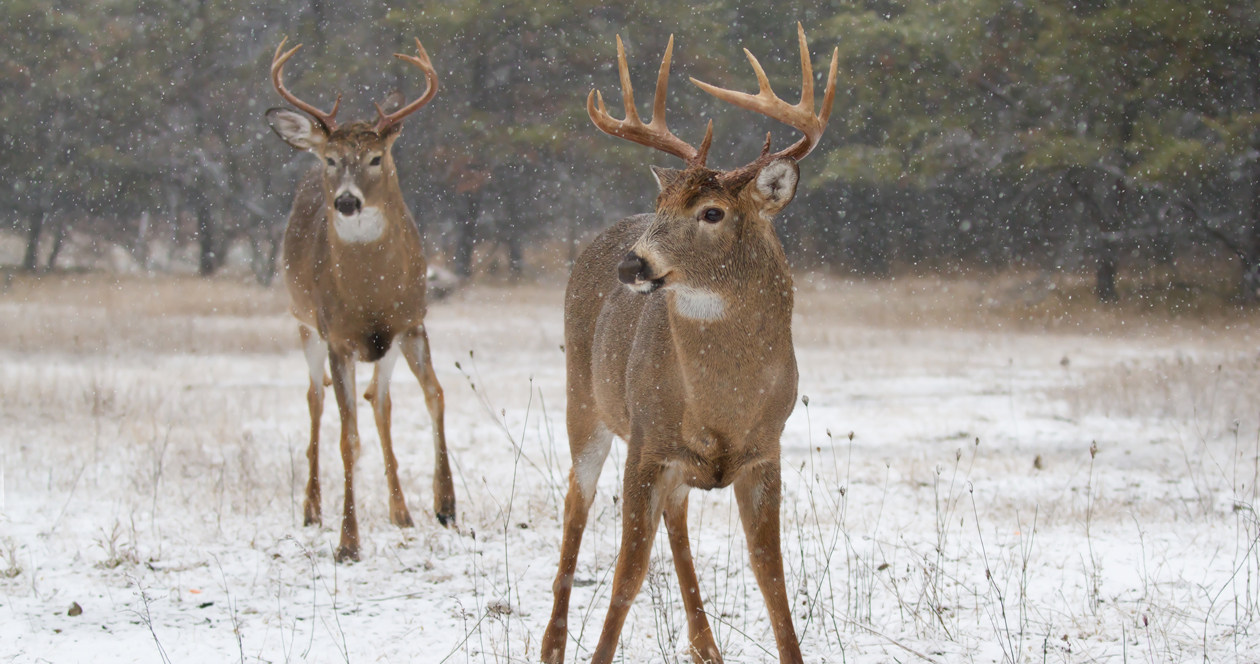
{"x": 355, "y": 269}
{"x": 678, "y": 330}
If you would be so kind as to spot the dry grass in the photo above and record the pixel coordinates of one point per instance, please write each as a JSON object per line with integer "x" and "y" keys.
{"x": 1024, "y": 302}
{"x": 97, "y": 313}
{"x": 101, "y": 313}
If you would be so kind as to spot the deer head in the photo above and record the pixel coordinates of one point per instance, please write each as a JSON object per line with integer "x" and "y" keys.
{"x": 711, "y": 225}
{"x": 359, "y": 174}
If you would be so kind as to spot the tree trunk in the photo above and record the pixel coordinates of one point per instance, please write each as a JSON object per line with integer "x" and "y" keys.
{"x": 30, "y": 262}
{"x": 1105, "y": 277}
{"x": 141, "y": 250}
{"x": 1108, "y": 248}
{"x": 59, "y": 237}
{"x": 516, "y": 258}
{"x": 207, "y": 261}
{"x": 1249, "y": 283}
{"x": 1107, "y": 251}
{"x": 264, "y": 248}
{"x": 466, "y": 234}
{"x": 869, "y": 243}
{"x": 1249, "y": 280}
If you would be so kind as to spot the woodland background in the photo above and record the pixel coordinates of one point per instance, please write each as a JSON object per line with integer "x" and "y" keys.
{"x": 1113, "y": 140}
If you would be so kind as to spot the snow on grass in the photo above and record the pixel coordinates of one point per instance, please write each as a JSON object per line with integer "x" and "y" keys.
{"x": 963, "y": 519}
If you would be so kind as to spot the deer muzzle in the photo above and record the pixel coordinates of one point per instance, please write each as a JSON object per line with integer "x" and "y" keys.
{"x": 348, "y": 204}
{"x": 631, "y": 269}
{"x": 634, "y": 272}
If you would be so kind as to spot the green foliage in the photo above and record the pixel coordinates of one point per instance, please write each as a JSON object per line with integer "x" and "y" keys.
{"x": 111, "y": 108}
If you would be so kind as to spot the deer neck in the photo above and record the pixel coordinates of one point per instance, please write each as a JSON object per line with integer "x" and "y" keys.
{"x": 371, "y": 249}
{"x": 744, "y": 309}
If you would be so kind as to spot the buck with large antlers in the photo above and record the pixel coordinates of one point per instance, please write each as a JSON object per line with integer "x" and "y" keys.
{"x": 678, "y": 330}
{"x": 355, "y": 269}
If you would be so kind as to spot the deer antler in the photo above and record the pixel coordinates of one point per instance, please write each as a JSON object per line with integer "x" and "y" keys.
{"x": 425, "y": 65}
{"x": 800, "y": 116}
{"x": 326, "y": 120}
{"x": 654, "y": 134}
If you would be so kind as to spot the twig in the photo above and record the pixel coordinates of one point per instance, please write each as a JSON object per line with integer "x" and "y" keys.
{"x": 148, "y": 620}
{"x": 236, "y": 627}
{"x": 891, "y": 640}
{"x": 467, "y": 636}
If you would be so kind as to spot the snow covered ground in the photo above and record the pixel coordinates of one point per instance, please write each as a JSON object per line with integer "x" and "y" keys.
{"x": 942, "y": 503}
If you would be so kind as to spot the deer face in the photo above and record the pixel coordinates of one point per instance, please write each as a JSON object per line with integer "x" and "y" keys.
{"x": 707, "y": 228}
{"x": 359, "y": 173}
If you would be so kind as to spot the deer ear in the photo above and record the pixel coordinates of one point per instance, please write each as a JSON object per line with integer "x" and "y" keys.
{"x": 665, "y": 176}
{"x": 775, "y": 185}
{"x": 393, "y": 101}
{"x": 297, "y": 130}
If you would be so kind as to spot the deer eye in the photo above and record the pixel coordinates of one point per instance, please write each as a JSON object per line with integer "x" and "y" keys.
{"x": 376, "y": 161}
{"x": 330, "y": 161}
{"x": 712, "y": 215}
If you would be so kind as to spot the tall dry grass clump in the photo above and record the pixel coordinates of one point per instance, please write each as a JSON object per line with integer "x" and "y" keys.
{"x": 95, "y": 313}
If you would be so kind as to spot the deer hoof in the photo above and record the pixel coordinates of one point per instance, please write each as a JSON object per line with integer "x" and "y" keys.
{"x": 447, "y": 519}
{"x": 553, "y": 653}
{"x": 311, "y": 516}
{"x": 347, "y": 554}
{"x": 401, "y": 518}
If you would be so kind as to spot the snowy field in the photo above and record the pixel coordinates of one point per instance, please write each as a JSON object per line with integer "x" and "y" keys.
{"x": 942, "y": 503}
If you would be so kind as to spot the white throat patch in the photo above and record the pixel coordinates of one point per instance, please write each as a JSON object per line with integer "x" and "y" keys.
{"x": 366, "y": 226}
{"x": 698, "y": 303}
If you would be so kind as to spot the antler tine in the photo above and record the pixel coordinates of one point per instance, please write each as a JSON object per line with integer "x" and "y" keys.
{"x": 662, "y": 84}
{"x": 627, "y": 88}
{"x": 702, "y": 155}
{"x": 799, "y": 116}
{"x": 829, "y": 95}
{"x": 425, "y": 65}
{"x": 654, "y": 134}
{"x": 807, "y": 71}
{"x": 326, "y": 120}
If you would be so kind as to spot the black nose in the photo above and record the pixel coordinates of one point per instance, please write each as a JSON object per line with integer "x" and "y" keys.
{"x": 348, "y": 204}
{"x": 630, "y": 269}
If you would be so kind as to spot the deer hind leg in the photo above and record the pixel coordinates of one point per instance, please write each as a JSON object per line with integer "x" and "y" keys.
{"x": 415, "y": 347}
{"x": 343, "y": 386}
{"x": 316, "y": 352}
{"x": 757, "y": 492}
{"x": 589, "y": 443}
{"x": 703, "y": 648}
{"x": 643, "y": 494}
{"x": 378, "y": 394}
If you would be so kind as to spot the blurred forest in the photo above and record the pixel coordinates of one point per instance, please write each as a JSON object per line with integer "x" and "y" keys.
{"x": 1094, "y": 137}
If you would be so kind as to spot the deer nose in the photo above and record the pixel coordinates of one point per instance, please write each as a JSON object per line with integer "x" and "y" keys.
{"x": 631, "y": 269}
{"x": 348, "y": 204}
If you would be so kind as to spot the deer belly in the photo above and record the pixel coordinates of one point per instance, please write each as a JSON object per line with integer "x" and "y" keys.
{"x": 705, "y": 473}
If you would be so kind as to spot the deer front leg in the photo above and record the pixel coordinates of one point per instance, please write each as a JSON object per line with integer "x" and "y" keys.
{"x": 316, "y": 352}
{"x": 757, "y": 491}
{"x": 589, "y": 443}
{"x": 415, "y": 347}
{"x": 343, "y": 386}
{"x": 642, "y": 502}
{"x": 381, "y": 406}
{"x": 703, "y": 648}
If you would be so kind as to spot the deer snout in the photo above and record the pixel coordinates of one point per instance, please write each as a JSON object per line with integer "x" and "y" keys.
{"x": 348, "y": 204}
{"x": 635, "y": 272}
{"x": 631, "y": 269}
